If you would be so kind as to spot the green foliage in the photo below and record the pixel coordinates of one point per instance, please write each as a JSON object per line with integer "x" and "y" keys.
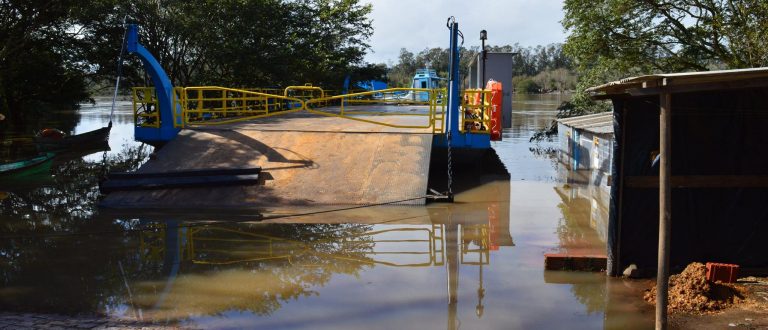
{"x": 39, "y": 64}
{"x": 530, "y": 61}
{"x": 614, "y": 38}
{"x": 525, "y": 84}
{"x": 560, "y": 79}
{"x": 245, "y": 43}
{"x": 50, "y": 51}
{"x": 549, "y": 64}
{"x": 545, "y": 81}
{"x": 401, "y": 74}
{"x": 368, "y": 72}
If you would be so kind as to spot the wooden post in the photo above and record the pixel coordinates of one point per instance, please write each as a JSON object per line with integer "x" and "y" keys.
{"x": 665, "y": 209}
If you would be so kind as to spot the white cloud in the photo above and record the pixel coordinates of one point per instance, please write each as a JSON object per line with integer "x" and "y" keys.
{"x": 419, "y": 24}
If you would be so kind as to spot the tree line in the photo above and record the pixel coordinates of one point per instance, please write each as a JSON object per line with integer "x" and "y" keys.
{"x": 535, "y": 69}
{"x": 614, "y": 39}
{"x": 54, "y": 54}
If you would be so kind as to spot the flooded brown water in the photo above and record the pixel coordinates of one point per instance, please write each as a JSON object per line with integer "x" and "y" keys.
{"x": 475, "y": 264}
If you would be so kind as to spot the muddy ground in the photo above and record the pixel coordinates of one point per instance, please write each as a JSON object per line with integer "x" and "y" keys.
{"x": 750, "y": 313}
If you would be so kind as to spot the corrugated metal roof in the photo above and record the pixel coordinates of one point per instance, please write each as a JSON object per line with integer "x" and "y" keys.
{"x": 599, "y": 123}
{"x": 625, "y": 85}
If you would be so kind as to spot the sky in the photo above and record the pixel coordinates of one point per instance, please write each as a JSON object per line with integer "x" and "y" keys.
{"x": 419, "y": 24}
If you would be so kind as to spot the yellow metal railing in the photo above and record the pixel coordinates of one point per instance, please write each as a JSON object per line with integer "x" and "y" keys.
{"x": 213, "y": 246}
{"x": 305, "y": 92}
{"x": 475, "y": 244}
{"x": 396, "y": 246}
{"x": 213, "y": 105}
{"x": 272, "y": 91}
{"x": 476, "y": 111}
{"x": 350, "y": 106}
{"x": 145, "y": 110}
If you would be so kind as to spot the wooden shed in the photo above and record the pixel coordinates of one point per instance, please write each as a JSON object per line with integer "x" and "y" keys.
{"x": 690, "y": 170}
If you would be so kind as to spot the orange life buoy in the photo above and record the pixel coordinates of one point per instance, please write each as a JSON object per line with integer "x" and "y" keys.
{"x": 52, "y": 133}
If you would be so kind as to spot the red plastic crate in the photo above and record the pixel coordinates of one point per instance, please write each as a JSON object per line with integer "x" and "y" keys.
{"x": 726, "y": 273}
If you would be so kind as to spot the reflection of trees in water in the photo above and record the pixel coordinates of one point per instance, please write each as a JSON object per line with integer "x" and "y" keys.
{"x": 574, "y": 231}
{"x": 591, "y": 294}
{"x": 546, "y": 152}
{"x": 573, "y": 228}
{"x": 178, "y": 270}
{"x": 63, "y": 275}
{"x": 247, "y": 267}
{"x": 224, "y": 267}
{"x": 65, "y": 198}
{"x": 42, "y": 271}
{"x": 81, "y": 274}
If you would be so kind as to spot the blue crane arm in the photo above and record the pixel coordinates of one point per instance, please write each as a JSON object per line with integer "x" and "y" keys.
{"x": 163, "y": 87}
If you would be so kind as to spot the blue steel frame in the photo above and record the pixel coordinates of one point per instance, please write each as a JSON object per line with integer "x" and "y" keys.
{"x": 458, "y": 139}
{"x": 164, "y": 90}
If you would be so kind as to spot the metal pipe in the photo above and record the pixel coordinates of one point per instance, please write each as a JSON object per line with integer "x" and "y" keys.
{"x": 483, "y": 37}
{"x": 665, "y": 209}
{"x": 454, "y": 117}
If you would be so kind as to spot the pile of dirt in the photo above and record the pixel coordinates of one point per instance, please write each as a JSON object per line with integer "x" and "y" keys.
{"x": 690, "y": 291}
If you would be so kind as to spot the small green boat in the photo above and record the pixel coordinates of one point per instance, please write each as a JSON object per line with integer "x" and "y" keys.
{"x": 26, "y": 165}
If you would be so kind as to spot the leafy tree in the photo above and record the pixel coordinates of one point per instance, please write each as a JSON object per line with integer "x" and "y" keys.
{"x": 369, "y": 72}
{"x": 400, "y": 74}
{"x": 530, "y": 61}
{"x": 238, "y": 43}
{"x": 51, "y": 50}
{"x": 436, "y": 59}
{"x": 39, "y": 59}
{"x": 613, "y": 38}
{"x": 527, "y": 62}
{"x": 525, "y": 84}
{"x": 329, "y": 38}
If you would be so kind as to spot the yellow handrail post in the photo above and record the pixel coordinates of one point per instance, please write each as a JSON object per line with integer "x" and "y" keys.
{"x": 199, "y": 101}
{"x": 224, "y": 102}
{"x": 244, "y": 104}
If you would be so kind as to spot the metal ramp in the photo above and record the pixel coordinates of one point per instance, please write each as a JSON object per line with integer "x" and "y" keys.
{"x": 298, "y": 168}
